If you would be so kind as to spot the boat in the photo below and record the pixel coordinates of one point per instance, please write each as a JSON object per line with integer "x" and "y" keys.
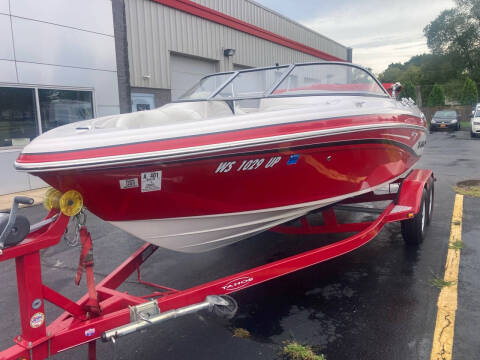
{"x": 239, "y": 153}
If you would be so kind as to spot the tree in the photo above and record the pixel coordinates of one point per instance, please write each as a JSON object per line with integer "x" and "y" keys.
{"x": 469, "y": 92}
{"x": 392, "y": 73}
{"x": 409, "y": 91}
{"x": 453, "y": 89}
{"x": 456, "y": 33}
{"x": 436, "y": 97}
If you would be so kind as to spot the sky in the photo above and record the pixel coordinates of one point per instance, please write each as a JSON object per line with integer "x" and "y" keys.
{"x": 380, "y": 32}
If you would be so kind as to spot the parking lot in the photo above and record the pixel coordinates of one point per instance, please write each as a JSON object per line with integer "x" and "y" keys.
{"x": 374, "y": 303}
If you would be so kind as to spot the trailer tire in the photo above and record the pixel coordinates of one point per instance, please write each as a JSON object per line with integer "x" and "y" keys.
{"x": 413, "y": 230}
{"x": 431, "y": 198}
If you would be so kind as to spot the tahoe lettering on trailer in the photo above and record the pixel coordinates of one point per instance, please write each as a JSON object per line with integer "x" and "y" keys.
{"x": 237, "y": 283}
{"x": 247, "y": 165}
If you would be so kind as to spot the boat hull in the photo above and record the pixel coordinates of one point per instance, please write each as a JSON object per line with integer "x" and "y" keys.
{"x": 202, "y": 202}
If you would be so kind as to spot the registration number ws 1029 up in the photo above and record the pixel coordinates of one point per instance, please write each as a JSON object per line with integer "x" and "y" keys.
{"x": 247, "y": 165}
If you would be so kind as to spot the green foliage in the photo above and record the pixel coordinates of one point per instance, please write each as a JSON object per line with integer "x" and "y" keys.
{"x": 456, "y": 33}
{"x": 453, "y": 89}
{"x": 469, "y": 92}
{"x": 295, "y": 351}
{"x": 409, "y": 91}
{"x": 454, "y": 39}
{"x": 436, "y": 97}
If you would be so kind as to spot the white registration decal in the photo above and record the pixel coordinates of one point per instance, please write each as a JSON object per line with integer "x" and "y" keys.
{"x": 151, "y": 181}
{"x": 129, "y": 183}
{"x": 247, "y": 165}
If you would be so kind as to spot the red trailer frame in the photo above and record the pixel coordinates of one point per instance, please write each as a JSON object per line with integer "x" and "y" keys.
{"x": 105, "y": 310}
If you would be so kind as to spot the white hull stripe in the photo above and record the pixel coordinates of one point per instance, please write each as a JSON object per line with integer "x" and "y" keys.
{"x": 201, "y": 150}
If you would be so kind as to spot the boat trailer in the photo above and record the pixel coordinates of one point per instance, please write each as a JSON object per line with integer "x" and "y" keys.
{"x": 106, "y": 313}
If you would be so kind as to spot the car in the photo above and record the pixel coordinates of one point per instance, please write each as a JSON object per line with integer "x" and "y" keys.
{"x": 475, "y": 122}
{"x": 445, "y": 119}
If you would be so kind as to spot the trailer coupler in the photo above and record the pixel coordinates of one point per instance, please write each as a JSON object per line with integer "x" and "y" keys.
{"x": 148, "y": 314}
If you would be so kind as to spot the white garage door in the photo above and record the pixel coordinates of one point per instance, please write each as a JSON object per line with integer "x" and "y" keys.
{"x": 186, "y": 71}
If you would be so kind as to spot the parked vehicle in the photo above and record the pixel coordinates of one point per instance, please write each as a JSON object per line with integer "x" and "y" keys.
{"x": 445, "y": 119}
{"x": 475, "y": 123}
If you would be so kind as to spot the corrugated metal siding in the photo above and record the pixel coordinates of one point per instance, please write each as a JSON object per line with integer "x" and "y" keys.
{"x": 154, "y": 30}
{"x": 256, "y": 14}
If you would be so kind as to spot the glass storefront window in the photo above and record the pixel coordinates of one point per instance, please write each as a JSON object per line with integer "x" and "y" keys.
{"x": 18, "y": 121}
{"x": 60, "y": 107}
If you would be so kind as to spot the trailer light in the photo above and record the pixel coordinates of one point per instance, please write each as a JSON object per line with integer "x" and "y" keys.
{"x": 71, "y": 203}
{"x": 52, "y": 199}
{"x": 411, "y": 215}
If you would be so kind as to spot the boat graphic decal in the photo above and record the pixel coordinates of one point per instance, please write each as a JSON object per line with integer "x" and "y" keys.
{"x": 207, "y": 153}
{"x": 292, "y": 160}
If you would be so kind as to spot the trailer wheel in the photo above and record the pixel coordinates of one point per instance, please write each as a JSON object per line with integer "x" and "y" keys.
{"x": 431, "y": 198}
{"x": 226, "y": 311}
{"x": 413, "y": 230}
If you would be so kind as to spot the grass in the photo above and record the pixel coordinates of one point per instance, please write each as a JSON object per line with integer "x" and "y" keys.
{"x": 440, "y": 283}
{"x": 465, "y": 125}
{"x": 295, "y": 351}
{"x": 241, "y": 333}
{"x": 457, "y": 245}
{"x": 473, "y": 191}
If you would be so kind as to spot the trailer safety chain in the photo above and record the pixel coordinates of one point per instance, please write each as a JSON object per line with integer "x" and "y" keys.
{"x": 86, "y": 264}
{"x": 78, "y": 220}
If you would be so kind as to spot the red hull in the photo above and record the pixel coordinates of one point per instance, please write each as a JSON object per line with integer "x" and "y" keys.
{"x": 301, "y": 171}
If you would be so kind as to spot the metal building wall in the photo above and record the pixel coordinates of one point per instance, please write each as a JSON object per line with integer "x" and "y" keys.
{"x": 256, "y": 14}
{"x": 154, "y": 30}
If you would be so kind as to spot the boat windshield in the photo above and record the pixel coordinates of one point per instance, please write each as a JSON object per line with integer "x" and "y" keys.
{"x": 295, "y": 80}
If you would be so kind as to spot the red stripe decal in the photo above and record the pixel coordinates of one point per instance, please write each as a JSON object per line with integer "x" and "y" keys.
{"x": 211, "y": 139}
{"x": 234, "y": 23}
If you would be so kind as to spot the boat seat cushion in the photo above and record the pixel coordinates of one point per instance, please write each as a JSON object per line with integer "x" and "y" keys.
{"x": 171, "y": 113}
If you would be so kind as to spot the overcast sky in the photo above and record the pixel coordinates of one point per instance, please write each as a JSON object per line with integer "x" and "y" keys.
{"x": 380, "y": 32}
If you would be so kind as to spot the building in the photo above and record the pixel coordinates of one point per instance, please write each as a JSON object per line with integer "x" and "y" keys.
{"x": 64, "y": 61}
{"x": 57, "y": 65}
{"x": 172, "y": 44}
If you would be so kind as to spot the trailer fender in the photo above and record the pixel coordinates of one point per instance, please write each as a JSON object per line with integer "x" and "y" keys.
{"x": 410, "y": 193}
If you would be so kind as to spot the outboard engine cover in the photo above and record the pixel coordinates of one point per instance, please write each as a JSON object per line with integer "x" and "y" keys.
{"x": 20, "y": 230}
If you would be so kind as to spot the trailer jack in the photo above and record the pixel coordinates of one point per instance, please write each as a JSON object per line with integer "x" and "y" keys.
{"x": 148, "y": 314}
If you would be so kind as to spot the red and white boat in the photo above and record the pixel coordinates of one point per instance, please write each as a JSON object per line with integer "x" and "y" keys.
{"x": 239, "y": 153}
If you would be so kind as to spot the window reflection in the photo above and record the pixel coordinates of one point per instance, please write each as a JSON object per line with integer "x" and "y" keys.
{"x": 60, "y": 107}
{"x": 18, "y": 121}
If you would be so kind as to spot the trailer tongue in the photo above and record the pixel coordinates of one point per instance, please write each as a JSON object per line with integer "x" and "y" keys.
{"x": 107, "y": 313}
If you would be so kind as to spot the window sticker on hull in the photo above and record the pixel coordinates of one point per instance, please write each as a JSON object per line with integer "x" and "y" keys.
{"x": 151, "y": 181}
{"x": 129, "y": 183}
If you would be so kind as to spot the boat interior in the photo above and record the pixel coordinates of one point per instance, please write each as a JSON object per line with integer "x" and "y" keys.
{"x": 254, "y": 91}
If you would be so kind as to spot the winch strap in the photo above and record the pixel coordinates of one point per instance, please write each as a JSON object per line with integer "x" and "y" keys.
{"x": 86, "y": 264}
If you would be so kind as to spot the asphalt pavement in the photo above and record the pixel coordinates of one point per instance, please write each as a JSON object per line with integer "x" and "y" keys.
{"x": 374, "y": 303}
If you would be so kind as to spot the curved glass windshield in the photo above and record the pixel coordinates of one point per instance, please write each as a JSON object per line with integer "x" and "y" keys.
{"x": 252, "y": 84}
{"x": 327, "y": 78}
{"x": 206, "y": 86}
{"x": 294, "y": 80}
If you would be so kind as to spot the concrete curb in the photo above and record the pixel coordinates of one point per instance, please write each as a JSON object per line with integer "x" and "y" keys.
{"x": 37, "y": 195}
